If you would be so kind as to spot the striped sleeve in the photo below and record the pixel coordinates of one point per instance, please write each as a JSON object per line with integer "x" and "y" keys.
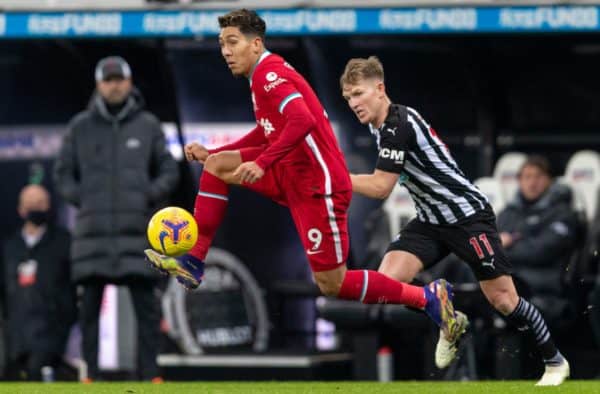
{"x": 287, "y": 99}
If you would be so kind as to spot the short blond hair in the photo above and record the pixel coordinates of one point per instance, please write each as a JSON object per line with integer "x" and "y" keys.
{"x": 358, "y": 69}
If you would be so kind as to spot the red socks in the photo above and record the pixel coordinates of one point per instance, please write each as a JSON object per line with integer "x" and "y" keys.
{"x": 372, "y": 287}
{"x": 209, "y": 210}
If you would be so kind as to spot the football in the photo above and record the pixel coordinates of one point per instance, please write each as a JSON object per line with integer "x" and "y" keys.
{"x": 172, "y": 231}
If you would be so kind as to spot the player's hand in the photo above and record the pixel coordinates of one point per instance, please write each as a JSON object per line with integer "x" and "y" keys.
{"x": 506, "y": 239}
{"x": 249, "y": 172}
{"x": 195, "y": 152}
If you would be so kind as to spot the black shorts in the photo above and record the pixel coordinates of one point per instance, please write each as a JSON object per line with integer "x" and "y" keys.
{"x": 474, "y": 239}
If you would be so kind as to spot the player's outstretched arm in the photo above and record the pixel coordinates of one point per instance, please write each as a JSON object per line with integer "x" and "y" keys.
{"x": 299, "y": 123}
{"x": 198, "y": 152}
{"x": 377, "y": 185}
{"x": 255, "y": 138}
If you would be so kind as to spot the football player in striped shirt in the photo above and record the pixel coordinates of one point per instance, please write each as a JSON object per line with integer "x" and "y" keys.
{"x": 453, "y": 216}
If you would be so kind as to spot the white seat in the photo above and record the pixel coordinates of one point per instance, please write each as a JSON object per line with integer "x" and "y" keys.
{"x": 578, "y": 201}
{"x": 583, "y": 174}
{"x": 400, "y": 209}
{"x": 506, "y": 172}
{"x": 493, "y": 191}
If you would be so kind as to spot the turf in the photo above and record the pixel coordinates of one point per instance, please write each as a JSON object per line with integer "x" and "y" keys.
{"x": 492, "y": 387}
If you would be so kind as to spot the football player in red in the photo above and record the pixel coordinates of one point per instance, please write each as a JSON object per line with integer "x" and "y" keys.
{"x": 292, "y": 157}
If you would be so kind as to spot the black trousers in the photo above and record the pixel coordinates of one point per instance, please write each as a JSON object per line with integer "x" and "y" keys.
{"x": 147, "y": 312}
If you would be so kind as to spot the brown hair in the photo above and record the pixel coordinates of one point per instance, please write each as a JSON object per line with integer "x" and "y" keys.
{"x": 359, "y": 68}
{"x": 537, "y": 161}
{"x": 248, "y": 21}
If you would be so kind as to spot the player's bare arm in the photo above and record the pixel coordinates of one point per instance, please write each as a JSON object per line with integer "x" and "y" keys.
{"x": 377, "y": 185}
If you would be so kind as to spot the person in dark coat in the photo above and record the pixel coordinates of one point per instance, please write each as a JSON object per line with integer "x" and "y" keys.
{"x": 538, "y": 229}
{"x": 115, "y": 167}
{"x": 39, "y": 298}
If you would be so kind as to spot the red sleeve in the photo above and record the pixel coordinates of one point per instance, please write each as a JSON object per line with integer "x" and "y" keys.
{"x": 256, "y": 137}
{"x": 299, "y": 122}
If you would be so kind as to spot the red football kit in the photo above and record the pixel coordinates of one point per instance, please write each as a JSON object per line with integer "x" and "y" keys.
{"x": 304, "y": 167}
{"x": 305, "y": 171}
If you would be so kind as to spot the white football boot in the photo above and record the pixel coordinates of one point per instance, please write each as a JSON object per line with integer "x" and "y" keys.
{"x": 555, "y": 374}
{"x": 447, "y": 346}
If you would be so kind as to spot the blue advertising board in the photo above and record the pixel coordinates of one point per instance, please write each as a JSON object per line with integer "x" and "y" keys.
{"x": 304, "y": 21}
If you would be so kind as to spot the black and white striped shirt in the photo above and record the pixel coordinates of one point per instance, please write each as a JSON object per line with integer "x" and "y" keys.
{"x": 410, "y": 147}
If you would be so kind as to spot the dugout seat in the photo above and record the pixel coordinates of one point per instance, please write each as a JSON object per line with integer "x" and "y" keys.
{"x": 399, "y": 208}
{"x": 578, "y": 202}
{"x": 583, "y": 175}
{"x": 493, "y": 191}
{"x": 506, "y": 172}
{"x": 578, "y": 276}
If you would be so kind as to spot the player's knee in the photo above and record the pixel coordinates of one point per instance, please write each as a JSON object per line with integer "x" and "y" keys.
{"x": 211, "y": 164}
{"x": 216, "y": 164}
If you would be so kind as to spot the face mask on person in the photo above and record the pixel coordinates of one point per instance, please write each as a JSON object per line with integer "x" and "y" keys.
{"x": 38, "y": 217}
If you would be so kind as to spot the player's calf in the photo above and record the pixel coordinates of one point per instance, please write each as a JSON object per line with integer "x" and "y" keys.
{"x": 330, "y": 282}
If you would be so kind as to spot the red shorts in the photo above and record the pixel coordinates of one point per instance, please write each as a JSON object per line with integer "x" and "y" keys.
{"x": 321, "y": 221}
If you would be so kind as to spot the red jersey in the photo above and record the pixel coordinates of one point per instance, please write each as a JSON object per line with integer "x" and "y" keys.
{"x": 304, "y": 167}
{"x": 283, "y": 102}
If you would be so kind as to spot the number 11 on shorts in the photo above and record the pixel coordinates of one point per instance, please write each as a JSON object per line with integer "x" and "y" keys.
{"x": 474, "y": 241}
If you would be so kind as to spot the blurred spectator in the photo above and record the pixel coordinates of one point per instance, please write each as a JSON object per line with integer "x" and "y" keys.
{"x": 114, "y": 165}
{"x": 38, "y": 295}
{"x": 538, "y": 229}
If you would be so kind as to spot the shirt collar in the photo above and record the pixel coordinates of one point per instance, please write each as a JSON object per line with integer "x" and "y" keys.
{"x": 260, "y": 59}
{"x": 390, "y": 114}
{"x": 373, "y": 129}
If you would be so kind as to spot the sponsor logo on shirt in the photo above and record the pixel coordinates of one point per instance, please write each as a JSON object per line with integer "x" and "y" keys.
{"x": 270, "y": 86}
{"x": 396, "y": 155}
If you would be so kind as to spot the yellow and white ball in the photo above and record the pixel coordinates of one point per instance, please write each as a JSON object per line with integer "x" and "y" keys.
{"x": 172, "y": 231}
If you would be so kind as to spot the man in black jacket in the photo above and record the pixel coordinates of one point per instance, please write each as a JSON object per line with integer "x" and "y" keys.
{"x": 538, "y": 229}
{"x": 115, "y": 167}
{"x": 39, "y": 298}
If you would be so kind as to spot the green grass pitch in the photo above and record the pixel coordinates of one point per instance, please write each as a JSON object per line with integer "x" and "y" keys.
{"x": 488, "y": 387}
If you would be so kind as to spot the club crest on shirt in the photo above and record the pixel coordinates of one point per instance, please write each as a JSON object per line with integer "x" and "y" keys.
{"x": 271, "y": 76}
